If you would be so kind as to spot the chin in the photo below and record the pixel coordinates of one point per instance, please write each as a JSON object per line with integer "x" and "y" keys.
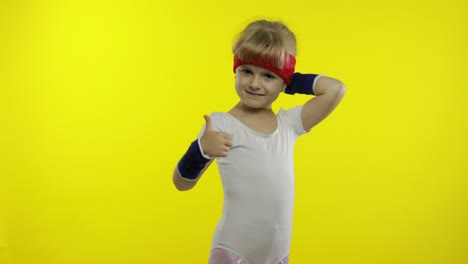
{"x": 254, "y": 105}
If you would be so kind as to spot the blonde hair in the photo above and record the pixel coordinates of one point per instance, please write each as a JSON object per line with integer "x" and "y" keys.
{"x": 266, "y": 41}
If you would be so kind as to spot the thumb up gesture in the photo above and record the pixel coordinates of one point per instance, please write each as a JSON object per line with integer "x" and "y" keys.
{"x": 215, "y": 144}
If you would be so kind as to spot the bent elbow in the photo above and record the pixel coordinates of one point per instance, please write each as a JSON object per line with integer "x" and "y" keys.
{"x": 181, "y": 187}
{"x": 180, "y": 183}
{"x": 341, "y": 89}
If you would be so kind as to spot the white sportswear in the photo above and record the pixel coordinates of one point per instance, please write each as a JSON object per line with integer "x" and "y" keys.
{"x": 258, "y": 182}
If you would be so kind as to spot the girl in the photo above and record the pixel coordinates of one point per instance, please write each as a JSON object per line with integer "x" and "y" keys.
{"x": 254, "y": 147}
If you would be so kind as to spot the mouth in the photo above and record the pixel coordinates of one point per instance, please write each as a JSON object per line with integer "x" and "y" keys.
{"x": 254, "y": 94}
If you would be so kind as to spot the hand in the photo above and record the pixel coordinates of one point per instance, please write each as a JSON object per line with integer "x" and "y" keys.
{"x": 215, "y": 144}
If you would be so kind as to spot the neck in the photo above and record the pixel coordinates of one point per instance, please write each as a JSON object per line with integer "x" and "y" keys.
{"x": 242, "y": 107}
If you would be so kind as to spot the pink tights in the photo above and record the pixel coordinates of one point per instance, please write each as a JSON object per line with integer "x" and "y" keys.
{"x": 222, "y": 256}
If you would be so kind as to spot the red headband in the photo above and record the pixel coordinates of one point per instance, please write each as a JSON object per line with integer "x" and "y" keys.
{"x": 286, "y": 73}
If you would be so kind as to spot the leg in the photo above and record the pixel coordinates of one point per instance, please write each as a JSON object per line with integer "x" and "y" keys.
{"x": 222, "y": 256}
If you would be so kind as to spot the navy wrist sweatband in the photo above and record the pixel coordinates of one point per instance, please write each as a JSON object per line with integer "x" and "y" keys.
{"x": 301, "y": 84}
{"x": 192, "y": 163}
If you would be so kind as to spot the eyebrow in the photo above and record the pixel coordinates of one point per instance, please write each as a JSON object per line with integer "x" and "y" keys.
{"x": 263, "y": 70}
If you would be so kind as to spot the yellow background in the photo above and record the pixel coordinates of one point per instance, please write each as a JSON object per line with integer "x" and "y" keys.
{"x": 100, "y": 99}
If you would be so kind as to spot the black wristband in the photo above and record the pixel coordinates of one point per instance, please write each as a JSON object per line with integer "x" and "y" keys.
{"x": 192, "y": 163}
{"x": 301, "y": 84}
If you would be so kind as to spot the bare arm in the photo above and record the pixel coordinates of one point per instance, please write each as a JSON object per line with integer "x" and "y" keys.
{"x": 329, "y": 93}
{"x": 183, "y": 184}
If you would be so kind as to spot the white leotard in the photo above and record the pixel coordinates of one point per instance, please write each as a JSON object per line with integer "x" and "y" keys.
{"x": 258, "y": 183}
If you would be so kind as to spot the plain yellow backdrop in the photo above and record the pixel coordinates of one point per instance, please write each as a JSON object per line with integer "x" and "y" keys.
{"x": 100, "y": 99}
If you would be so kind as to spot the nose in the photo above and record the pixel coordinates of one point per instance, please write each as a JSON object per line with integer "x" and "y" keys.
{"x": 255, "y": 82}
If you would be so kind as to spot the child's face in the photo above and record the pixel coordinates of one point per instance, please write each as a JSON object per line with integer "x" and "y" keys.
{"x": 258, "y": 87}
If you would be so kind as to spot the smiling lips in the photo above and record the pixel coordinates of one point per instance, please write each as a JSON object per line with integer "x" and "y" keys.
{"x": 254, "y": 94}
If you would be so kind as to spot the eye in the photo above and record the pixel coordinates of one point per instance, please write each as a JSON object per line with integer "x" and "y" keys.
{"x": 246, "y": 71}
{"x": 269, "y": 76}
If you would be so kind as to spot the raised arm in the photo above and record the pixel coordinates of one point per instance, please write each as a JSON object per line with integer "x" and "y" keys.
{"x": 329, "y": 92}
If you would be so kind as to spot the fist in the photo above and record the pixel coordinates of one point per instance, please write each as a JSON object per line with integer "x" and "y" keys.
{"x": 215, "y": 144}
